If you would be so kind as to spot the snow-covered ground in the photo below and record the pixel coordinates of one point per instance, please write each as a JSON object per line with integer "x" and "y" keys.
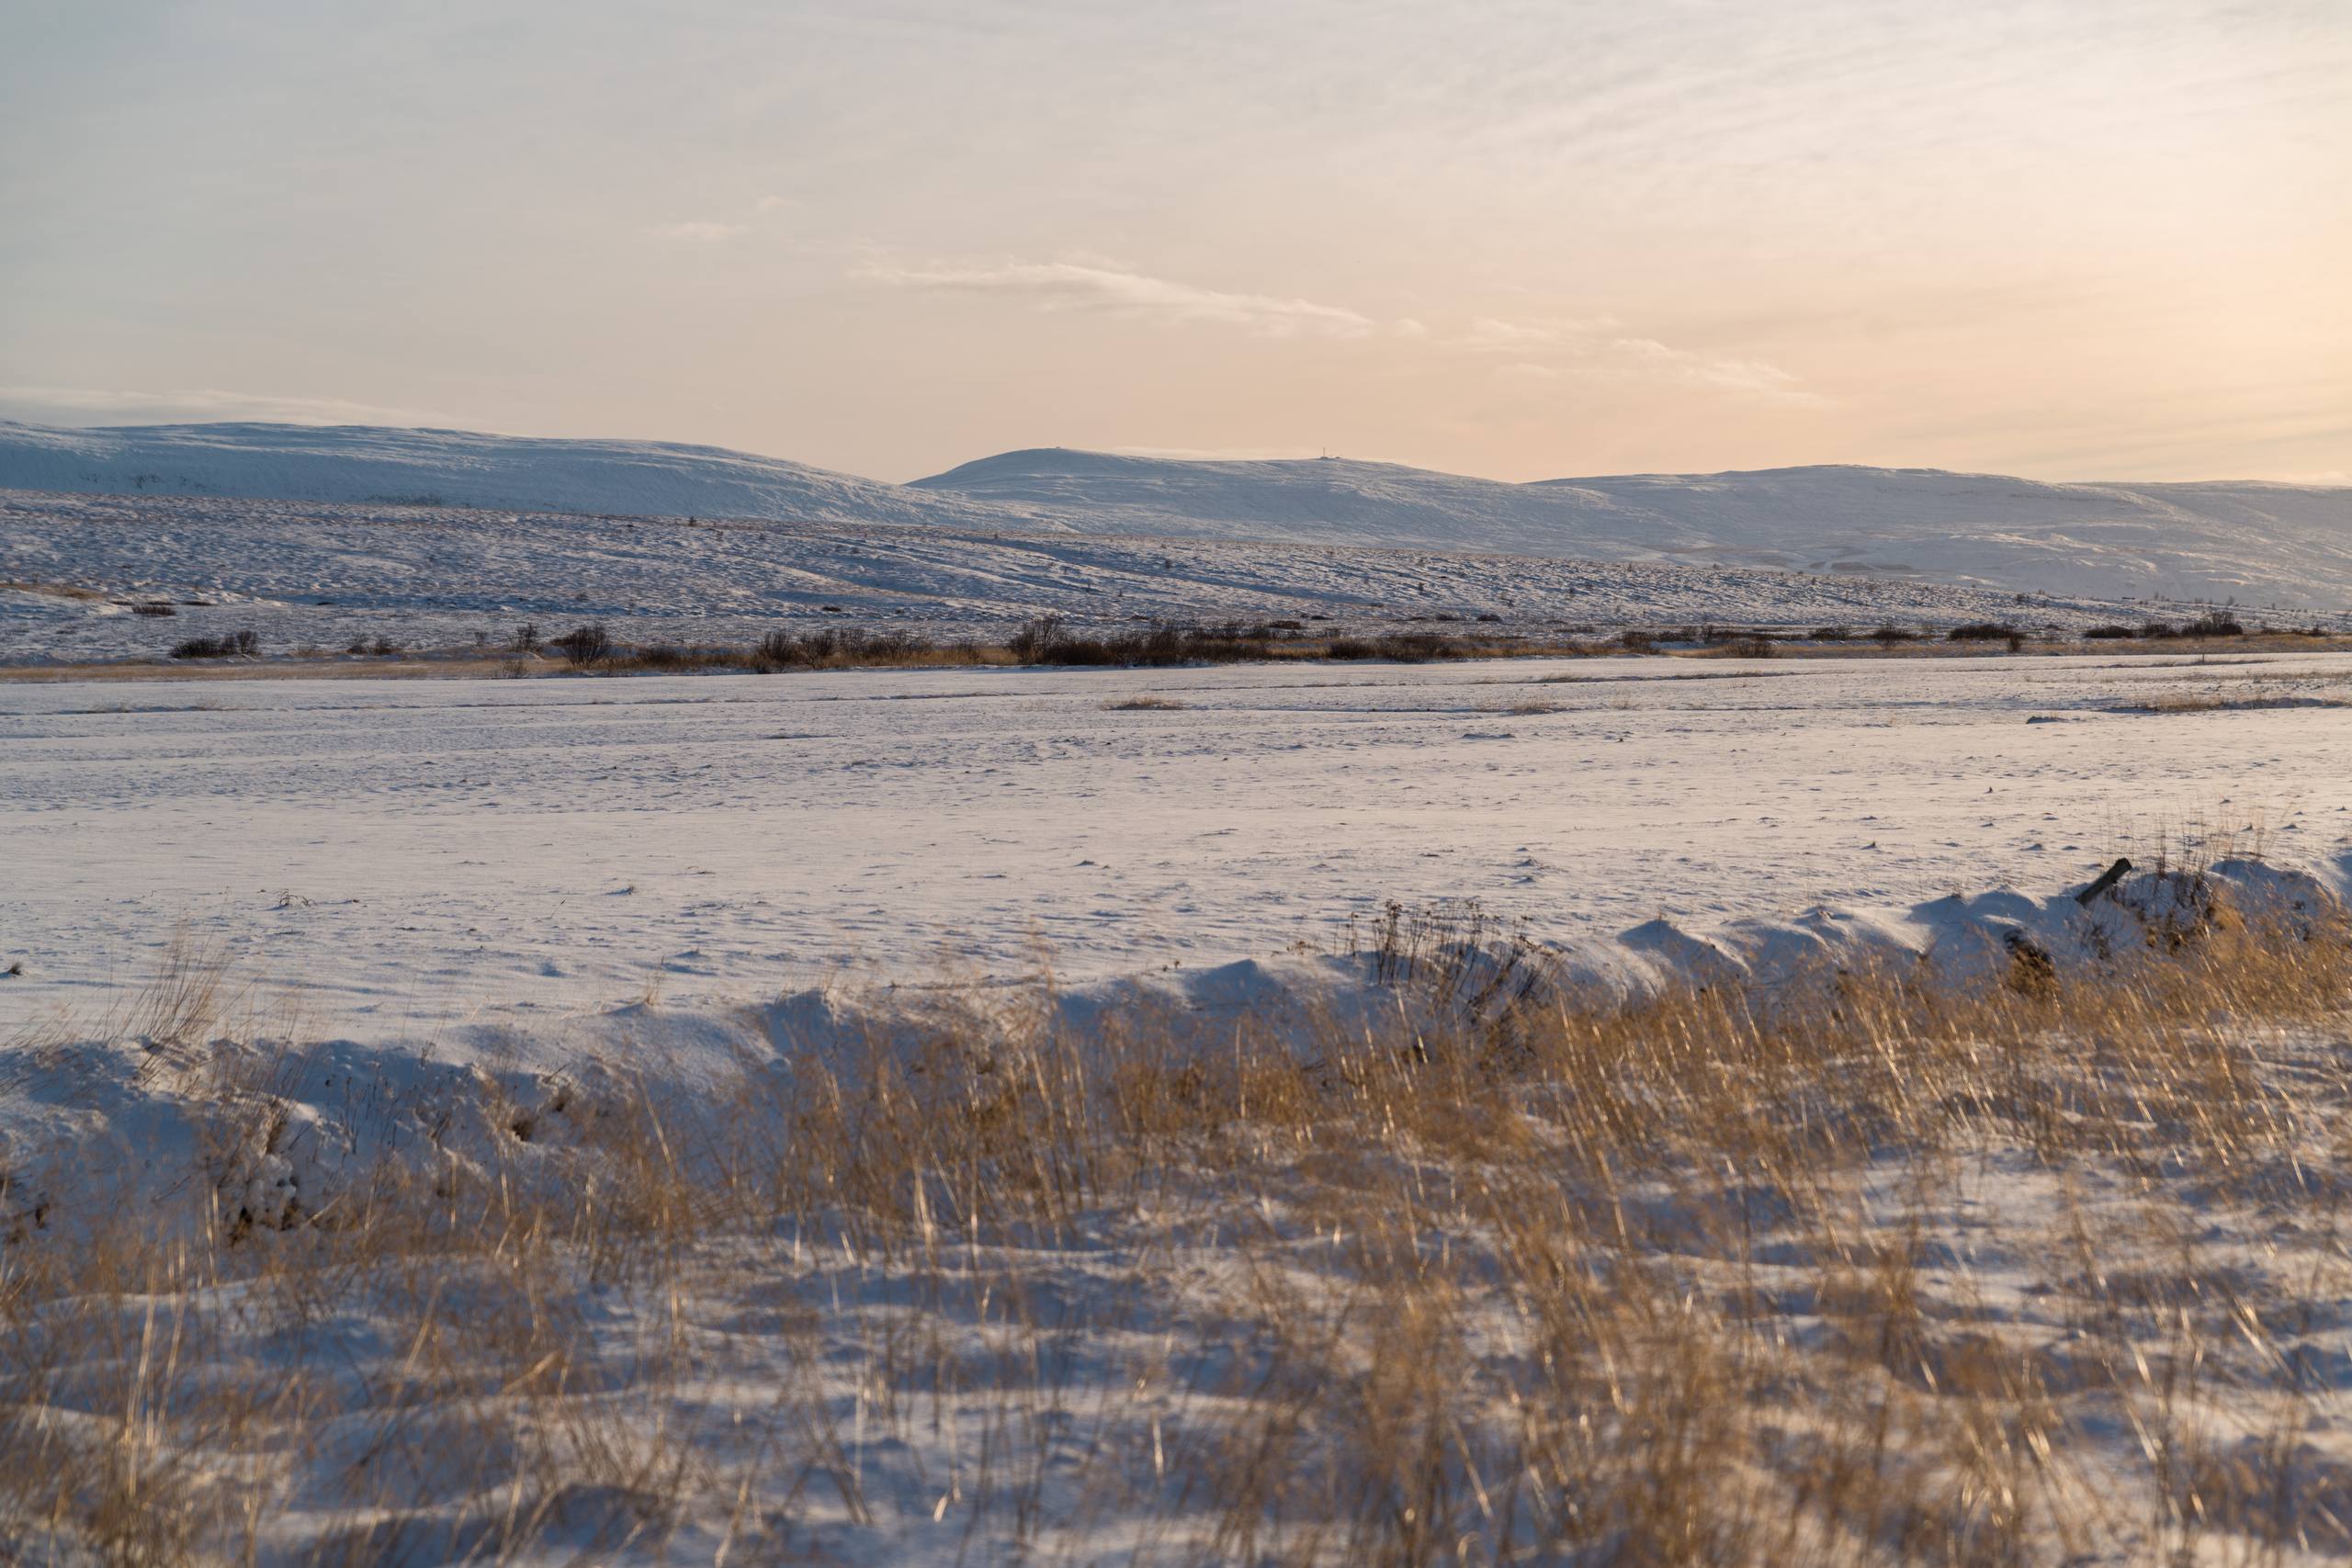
{"x": 537, "y": 947}
{"x": 409, "y": 856}
{"x": 306, "y": 574}
{"x": 2257, "y": 543}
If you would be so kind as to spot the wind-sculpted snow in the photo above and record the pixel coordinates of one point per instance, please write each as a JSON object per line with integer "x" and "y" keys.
{"x": 306, "y": 574}
{"x": 2259, "y": 544}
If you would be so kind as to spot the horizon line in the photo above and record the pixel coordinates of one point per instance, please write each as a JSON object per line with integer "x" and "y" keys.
{"x": 1169, "y": 455}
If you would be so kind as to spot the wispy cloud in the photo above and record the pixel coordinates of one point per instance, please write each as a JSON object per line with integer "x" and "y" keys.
{"x": 81, "y": 405}
{"x": 761, "y": 214}
{"x": 698, "y": 232}
{"x": 1546, "y": 349}
{"x": 1486, "y": 334}
{"x": 1072, "y": 286}
{"x": 1599, "y": 346}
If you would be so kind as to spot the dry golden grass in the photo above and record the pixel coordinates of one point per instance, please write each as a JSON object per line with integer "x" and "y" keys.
{"x": 2219, "y": 702}
{"x": 1864, "y": 1269}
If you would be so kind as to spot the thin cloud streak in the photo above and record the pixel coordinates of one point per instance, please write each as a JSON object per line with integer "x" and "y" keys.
{"x": 698, "y": 232}
{"x": 1070, "y": 285}
{"x": 1594, "y": 347}
{"x": 1589, "y": 347}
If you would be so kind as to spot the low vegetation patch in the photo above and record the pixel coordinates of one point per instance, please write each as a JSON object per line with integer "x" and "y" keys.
{"x": 2220, "y": 702}
{"x": 1055, "y": 641}
{"x": 234, "y": 645}
{"x": 585, "y": 645}
{"x": 843, "y": 648}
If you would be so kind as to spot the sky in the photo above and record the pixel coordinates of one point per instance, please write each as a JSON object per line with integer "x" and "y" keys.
{"x": 1526, "y": 239}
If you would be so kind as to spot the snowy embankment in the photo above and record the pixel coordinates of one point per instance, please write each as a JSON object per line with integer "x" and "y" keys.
{"x": 2260, "y": 545}
{"x": 192, "y": 1081}
{"x": 325, "y": 577}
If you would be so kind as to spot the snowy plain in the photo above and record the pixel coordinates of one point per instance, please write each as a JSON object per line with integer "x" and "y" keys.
{"x": 413, "y": 857}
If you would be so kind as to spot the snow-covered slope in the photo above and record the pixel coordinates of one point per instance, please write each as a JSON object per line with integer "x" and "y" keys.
{"x": 453, "y": 467}
{"x": 325, "y": 574}
{"x": 2257, "y": 543}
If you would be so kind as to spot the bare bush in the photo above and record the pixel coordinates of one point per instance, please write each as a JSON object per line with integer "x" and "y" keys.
{"x": 585, "y": 645}
{"x": 2214, "y": 623}
{"x": 235, "y": 645}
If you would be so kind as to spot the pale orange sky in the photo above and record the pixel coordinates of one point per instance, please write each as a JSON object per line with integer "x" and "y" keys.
{"x": 1506, "y": 237}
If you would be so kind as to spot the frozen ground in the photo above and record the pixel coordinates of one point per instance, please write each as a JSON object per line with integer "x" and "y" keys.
{"x": 411, "y": 855}
{"x": 305, "y": 574}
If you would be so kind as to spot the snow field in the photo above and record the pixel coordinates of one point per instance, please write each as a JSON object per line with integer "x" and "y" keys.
{"x": 412, "y": 855}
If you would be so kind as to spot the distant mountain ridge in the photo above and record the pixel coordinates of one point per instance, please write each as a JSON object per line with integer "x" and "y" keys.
{"x": 2257, "y": 543}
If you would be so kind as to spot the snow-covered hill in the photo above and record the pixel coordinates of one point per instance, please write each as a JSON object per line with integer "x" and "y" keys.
{"x": 2259, "y": 544}
{"x": 454, "y": 468}
{"x": 327, "y": 573}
